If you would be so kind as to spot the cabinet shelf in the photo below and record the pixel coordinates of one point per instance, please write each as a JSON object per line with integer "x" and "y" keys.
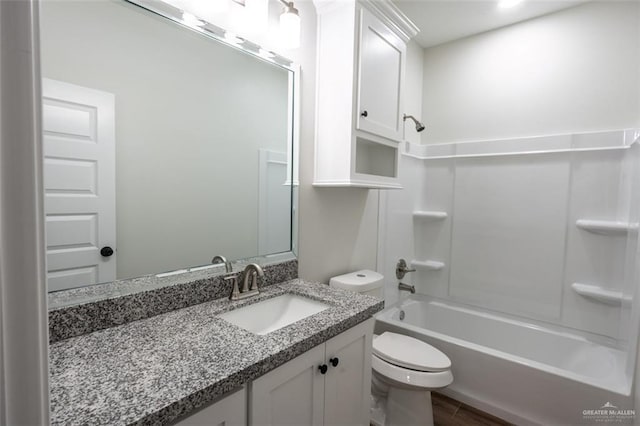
{"x": 430, "y": 214}
{"x": 599, "y": 294}
{"x": 606, "y": 227}
{"x": 432, "y": 265}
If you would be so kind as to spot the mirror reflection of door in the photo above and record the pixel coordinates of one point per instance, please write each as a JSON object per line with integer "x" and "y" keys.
{"x": 79, "y": 180}
{"x": 274, "y": 203}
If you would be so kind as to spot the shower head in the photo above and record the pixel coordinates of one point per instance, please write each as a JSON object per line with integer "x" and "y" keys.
{"x": 419, "y": 126}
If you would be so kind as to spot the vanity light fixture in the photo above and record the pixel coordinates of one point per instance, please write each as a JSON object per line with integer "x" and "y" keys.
{"x": 289, "y": 26}
{"x": 508, "y": 4}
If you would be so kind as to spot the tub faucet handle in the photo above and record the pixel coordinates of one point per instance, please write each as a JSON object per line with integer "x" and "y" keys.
{"x": 401, "y": 269}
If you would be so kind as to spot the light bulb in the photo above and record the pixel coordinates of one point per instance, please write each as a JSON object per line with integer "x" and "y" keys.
{"x": 290, "y": 27}
{"x": 256, "y": 16}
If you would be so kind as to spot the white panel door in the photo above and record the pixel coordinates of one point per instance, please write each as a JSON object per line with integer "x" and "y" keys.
{"x": 381, "y": 69}
{"x": 79, "y": 180}
{"x": 292, "y": 394}
{"x": 274, "y": 204}
{"x": 348, "y": 381}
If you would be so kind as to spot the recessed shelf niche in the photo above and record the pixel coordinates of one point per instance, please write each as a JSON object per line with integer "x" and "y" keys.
{"x": 376, "y": 159}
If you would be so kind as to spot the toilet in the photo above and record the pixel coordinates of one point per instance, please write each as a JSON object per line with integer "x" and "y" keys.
{"x": 404, "y": 369}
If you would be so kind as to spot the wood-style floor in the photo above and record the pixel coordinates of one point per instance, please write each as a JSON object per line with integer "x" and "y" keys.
{"x": 449, "y": 412}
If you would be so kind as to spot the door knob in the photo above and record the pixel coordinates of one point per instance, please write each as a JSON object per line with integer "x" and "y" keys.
{"x": 106, "y": 251}
{"x": 323, "y": 369}
{"x": 364, "y": 113}
{"x": 334, "y": 361}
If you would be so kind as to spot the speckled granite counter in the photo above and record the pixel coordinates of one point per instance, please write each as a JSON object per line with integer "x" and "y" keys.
{"x": 87, "y": 309}
{"x": 156, "y": 370}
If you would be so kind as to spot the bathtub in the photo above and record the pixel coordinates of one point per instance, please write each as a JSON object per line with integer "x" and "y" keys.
{"x": 522, "y": 372}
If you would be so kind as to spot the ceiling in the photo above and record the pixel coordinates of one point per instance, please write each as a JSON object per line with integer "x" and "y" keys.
{"x": 441, "y": 21}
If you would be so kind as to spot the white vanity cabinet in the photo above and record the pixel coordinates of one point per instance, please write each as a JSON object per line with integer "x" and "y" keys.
{"x": 299, "y": 393}
{"x": 361, "y": 63}
{"x": 231, "y": 410}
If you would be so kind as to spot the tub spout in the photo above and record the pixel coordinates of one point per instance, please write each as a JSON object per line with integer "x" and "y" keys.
{"x": 407, "y": 287}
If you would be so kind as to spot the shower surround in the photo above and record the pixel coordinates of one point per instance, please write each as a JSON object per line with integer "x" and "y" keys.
{"x": 538, "y": 231}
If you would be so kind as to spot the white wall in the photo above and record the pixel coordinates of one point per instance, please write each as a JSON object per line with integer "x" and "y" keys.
{"x": 184, "y": 106}
{"x": 24, "y": 398}
{"x": 576, "y": 70}
{"x": 396, "y": 240}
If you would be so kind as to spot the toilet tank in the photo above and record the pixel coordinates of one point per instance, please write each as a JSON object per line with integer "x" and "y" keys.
{"x": 364, "y": 282}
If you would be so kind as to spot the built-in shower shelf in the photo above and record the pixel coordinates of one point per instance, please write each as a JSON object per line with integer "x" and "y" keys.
{"x": 430, "y": 214}
{"x": 432, "y": 265}
{"x": 599, "y": 294}
{"x": 606, "y": 227}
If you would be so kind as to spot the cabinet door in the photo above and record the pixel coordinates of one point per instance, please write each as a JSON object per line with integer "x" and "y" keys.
{"x": 348, "y": 384}
{"x": 381, "y": 71}
{"x": 229, "y": 411}
{"x": 292, "y": 394}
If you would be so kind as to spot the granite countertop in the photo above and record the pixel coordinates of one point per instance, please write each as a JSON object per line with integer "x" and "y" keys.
{"x": 155, "y": 370}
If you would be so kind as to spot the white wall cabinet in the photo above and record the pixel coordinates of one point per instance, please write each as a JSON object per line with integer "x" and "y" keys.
{"x": 299, "y": 393}
{"x": 381, "y": 62}
{"x": 361, "y": 63}
{"x": 228, "y": 411}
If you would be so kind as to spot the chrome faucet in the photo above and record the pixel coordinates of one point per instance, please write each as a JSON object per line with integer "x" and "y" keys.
{"x": 407, "y": 287}
{"x": 252, "y": 272}
{"x": 221, "y": 259}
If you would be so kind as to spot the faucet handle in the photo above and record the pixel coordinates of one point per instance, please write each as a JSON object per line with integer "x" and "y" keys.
{"x": 401, "y": 269}
{"x": 235, "y": 292}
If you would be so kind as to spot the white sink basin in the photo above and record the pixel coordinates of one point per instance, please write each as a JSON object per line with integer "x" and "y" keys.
{"x": 273, "y": 314}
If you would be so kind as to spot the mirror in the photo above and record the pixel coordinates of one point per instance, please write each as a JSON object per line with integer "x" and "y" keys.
{"x": 162, "y": 146}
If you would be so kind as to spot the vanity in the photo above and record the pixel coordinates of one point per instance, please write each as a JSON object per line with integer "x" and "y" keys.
{"x": 190, "y": 366}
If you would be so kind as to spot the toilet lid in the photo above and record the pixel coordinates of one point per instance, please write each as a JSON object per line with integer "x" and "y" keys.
{"x": 407, "y": 352}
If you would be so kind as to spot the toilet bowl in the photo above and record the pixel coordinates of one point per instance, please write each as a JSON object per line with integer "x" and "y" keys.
{"x": 404, "y": 369}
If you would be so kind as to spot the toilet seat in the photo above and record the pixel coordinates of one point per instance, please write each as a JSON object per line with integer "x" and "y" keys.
{"x": 410, "y": 353}
{"x": 411, "y": 379}
{"x": 410, "y": 363}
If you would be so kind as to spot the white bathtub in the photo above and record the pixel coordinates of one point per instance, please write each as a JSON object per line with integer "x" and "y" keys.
{"x": 524, "y": 373}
